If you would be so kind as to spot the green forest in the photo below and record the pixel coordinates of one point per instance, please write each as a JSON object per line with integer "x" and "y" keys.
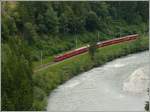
{"x": 29, "y": 28}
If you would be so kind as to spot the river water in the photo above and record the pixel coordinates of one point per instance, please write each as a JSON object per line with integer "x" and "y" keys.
{"x": 119, "y": 85}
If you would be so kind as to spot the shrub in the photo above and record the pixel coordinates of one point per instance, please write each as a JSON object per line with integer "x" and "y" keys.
{"x": 57, "y": 74}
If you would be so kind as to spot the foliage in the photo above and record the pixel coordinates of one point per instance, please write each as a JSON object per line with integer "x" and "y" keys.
{"x": 147, "y": 106}
{"x": 16, "y": 83}
{"x": 45, "y": 24}
{"x": 52, "y": 27}
{"x": 92, "y": 21}
{"x": 92, "y": 49}
{"x": 50, "y": 78}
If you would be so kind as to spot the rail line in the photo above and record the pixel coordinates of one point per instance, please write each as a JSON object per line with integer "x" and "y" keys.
{"x": 84, "y": 49}
{"x": 44, "y": 66}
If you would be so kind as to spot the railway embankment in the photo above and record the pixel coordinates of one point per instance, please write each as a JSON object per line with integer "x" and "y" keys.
{"x": 50, "y": 78}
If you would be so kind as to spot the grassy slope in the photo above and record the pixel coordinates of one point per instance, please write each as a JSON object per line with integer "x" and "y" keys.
{"x": 55, "y": 75}
{"x": 46, "y": 60}
{"x": 82, "y": 40}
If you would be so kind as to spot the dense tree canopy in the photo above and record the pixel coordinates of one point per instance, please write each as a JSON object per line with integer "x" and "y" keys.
{"x": 17, "y": 92}
{"x": 74, "y": 17}
{"x": 53, "y": 27}
{"x": 17, "y": 85}
{"x": 34, "y": 20}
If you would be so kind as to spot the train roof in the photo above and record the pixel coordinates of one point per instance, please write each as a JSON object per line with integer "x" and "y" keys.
{"x": 120, "y": 37}
{"x": 72, "y": 50}
{"x": 97, "y": 44}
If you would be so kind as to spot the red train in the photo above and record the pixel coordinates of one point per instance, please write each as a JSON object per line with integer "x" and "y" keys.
{"x": 99, "y": 44}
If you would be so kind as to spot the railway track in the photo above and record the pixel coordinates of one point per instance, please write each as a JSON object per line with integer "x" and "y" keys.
{"x": 43, "y": 66}
{"x": 84, "y": 49}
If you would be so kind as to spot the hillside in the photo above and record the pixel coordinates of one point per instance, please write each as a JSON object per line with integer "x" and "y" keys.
{"x": 45, "y": 24}
{"x": 51, "y": 28}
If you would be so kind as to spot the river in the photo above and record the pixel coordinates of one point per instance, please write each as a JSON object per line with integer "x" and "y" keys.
{"x": 119, "y": 85}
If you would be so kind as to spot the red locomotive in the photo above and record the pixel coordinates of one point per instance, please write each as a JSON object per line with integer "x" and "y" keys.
{"x": 99, "y": 44}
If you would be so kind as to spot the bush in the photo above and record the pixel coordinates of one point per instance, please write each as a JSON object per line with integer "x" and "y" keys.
{"x": 40, "y": 99}
{"x": 57, "y": 74}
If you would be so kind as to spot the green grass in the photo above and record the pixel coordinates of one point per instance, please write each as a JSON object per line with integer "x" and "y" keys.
{"x": 69, "y": 40}
{"x": 46, "y": 60}
{"x": 48, "y": 79}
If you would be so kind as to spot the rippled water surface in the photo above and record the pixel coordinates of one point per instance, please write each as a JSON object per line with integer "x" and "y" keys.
{"x": 119, "y": 85}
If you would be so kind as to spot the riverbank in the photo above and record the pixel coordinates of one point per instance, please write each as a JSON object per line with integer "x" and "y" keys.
{"x": 47, "y": 80}
{"x": 115, "y": 86}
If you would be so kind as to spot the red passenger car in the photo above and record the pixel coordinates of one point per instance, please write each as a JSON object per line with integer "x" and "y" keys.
{"x": 71, "y": 53}
{"x": 99, "y": 44}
